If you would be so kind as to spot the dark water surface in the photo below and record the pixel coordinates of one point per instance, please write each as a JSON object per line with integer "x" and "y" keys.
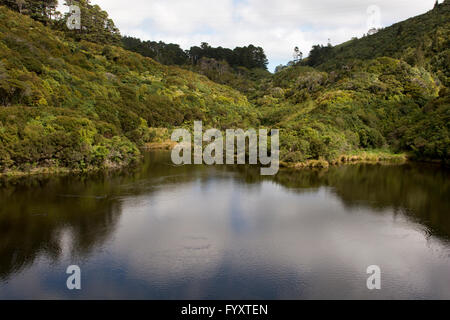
{"x": 195, "y": 232}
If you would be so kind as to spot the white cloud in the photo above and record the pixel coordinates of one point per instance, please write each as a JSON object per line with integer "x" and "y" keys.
{"x": 277, "y": 26}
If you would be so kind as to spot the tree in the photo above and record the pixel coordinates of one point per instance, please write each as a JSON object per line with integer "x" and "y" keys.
{"x": 168, "y": 54}
{"x": 279, "y": 68}
{"x": 298, "y": 55}
{"x": 96, "y": 26}
{"x": 250, "y": 57}
{"x": 40, "y": 10}
{"x": 319, "y": 54}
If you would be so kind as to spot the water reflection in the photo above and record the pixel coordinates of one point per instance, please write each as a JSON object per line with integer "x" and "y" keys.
{"x": 160, "y": 231}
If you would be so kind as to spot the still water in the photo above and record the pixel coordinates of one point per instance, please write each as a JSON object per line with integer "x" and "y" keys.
{"x": 164, "y": 232}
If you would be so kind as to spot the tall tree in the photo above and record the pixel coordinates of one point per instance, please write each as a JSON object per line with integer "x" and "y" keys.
{"x": 165, "y": 53}
{"x": 41, "y": 10}
{"x": 96, "y": 26}
{"x": 298, "y": 55}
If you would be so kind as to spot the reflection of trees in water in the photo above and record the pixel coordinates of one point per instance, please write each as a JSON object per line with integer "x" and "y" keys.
{"x": 36, "y": 212}
{"x": 421, "y": 192}
{"x": 33, "y": 221}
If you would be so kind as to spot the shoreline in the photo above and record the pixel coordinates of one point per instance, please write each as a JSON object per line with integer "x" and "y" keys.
{"x": 369, "y": 157}
{"x": 55, "y": 171}
{"x": 155, "y": 146}
{"x": 365, "y": 157}
{"x": 14, "y": 173}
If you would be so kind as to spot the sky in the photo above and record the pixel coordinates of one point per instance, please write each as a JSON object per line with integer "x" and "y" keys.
{"x": 277, "y": 26}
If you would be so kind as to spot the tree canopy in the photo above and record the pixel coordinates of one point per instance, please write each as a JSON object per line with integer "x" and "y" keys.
{"x": 39, "y": 10}
{"x": 168, "y": 54}
{"x": 96, "y": 26}
{"x": 250, "y": 57}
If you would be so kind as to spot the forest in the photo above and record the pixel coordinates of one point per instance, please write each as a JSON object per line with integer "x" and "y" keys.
{"x": 92, "y": 98}
{"x": 249, "y": 57}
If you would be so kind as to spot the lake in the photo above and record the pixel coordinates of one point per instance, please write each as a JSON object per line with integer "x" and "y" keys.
{"x": 159, "y": 231}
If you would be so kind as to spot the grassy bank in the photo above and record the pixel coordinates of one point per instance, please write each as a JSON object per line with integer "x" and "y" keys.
{"x": 369, "y": 156}
{"x": 57, "y": 170}
{"x": 164, "y": 145}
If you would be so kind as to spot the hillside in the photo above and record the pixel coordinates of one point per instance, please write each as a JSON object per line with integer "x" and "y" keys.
{"x": 387, "y": 92}
{"x": 72, "y": 104}
{"x": 382, "y": 103}
{"x": 422, "y": 41}
{"x": 239, "y": 68}
{"x": 78, "y": 104}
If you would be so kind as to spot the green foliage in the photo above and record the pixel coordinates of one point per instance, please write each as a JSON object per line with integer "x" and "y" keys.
{"x": 40, "y": 10}
{"x": 249, "y": 57}
{"x": 168, "y": 54}
{"x": 421, "y": 41}
{"x": 374, "y": 104}
{"x": 81, "y": 105}
{"x": 239, "y": 78}
{"x": 96, "y": 26}
{"x": 60, "y": 138}
{"x": 380, "y": 91}
{"x": 427, "y": 132}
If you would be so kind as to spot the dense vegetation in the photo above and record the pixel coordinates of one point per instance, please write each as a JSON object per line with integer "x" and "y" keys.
{"x": 165, "y": 53}
{"x": 377, "y": 104}
{"x": 249, "y": 57}
{"x": 39, "y": 10}
{"x": 388, "y": 90}
{"x": 96, "y": 27}
{"x": 78, "y": 104}
{"x": 78, "y": 100}
{"x": 422, "y": 41}
{"x": 240, "y": 68}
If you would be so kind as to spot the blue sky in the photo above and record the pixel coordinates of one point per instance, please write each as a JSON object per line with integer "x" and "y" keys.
{"x": 277, "y": 26}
